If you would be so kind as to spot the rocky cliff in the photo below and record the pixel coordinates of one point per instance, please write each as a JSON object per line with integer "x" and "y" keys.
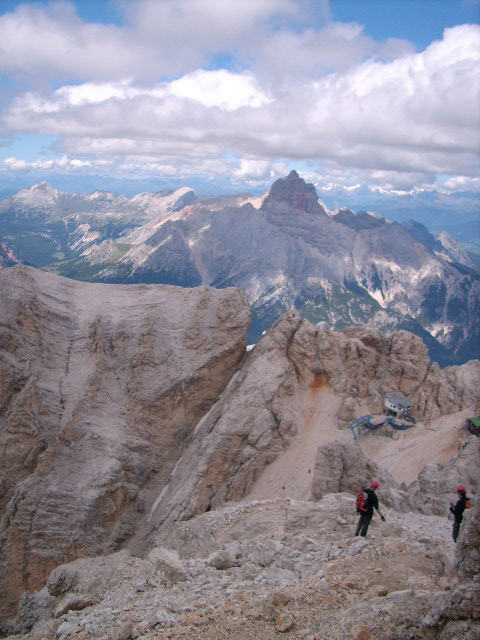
{"x": 457, "y": 614}
{"x": 100, "y": 390}
{"x": 196, "y": 488}
{"x": 278, "y": 409}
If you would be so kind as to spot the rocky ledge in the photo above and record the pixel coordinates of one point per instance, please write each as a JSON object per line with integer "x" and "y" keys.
{"x": 263, "y": 569}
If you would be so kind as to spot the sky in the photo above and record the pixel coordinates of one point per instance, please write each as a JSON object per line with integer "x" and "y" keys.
{"x": 354, "y": 94}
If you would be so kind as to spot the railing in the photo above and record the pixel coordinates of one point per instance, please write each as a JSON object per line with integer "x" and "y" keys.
{"x": 361, "y": 425}
{"x": 364, "y": 423}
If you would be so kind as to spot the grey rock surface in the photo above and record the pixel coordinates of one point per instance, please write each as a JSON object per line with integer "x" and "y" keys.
{"x": 132, "y": 418}
{"x": 288, "y": 375}
{"x": 457, "y": 614}
{"x": 282, "y": 564}
{"x": 100, "y": 388}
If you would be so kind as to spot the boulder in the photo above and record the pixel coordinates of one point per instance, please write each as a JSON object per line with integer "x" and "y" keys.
{"x": 75, "y": 602}
{"x": 169, "y": 564}
{"x": 344, "y": 467}
{"x": 223, "y": 559}
{"x": 88, "y": 576}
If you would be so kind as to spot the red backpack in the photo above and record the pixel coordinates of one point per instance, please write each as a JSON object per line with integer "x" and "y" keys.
{"x": 362, "y": 502}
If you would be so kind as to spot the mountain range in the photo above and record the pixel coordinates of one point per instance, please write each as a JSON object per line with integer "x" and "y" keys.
{"x": 284, "y": 249}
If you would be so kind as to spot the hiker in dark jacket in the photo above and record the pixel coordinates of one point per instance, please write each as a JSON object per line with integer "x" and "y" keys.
{"x": 366, "y": 511}
{"x": 458, "y": 510}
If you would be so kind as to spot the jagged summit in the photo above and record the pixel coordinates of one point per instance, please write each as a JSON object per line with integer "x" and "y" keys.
{"x": 43, "y": 186}
{"x": 40, "y": 193}
{"x": 293, "y": 192}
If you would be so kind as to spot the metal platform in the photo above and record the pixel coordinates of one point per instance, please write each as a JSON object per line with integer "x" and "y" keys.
{"x": 370, "y": 424}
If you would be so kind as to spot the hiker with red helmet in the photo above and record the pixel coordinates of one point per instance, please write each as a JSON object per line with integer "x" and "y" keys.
{"x": 462, "y": 503}
{"x": 367, "y": 501}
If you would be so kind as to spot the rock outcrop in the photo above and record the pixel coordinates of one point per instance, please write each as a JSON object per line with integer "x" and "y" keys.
{"x": 100, "y": 389}
{"x": 293, "y": 377}
{"x": 457, "y": 615}
{"x": 293, "y": 193}
{"x": 340, "y": 467}
{"x": 255, "y": 570}
{"x": 436, "y": 484}
{"x": 131, "y": 418}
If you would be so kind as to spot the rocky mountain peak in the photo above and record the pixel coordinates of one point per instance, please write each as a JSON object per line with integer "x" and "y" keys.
{"x": 40, "y": 194}
{"x": 293, "y": 192}
{"x": 44, "y": 188}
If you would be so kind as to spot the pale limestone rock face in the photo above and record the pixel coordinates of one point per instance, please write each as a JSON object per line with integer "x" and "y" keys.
{"x": 345, "y": 468}
{"x": 125, "y": 410}
{"x": 436, "y": 485}
{"x": 263, "y": 410}
{"x": 240, "y": 435}
{"x": 100, "y": 388}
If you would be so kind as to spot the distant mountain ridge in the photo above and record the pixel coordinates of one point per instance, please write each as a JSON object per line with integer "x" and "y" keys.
{"x": 284, "y": 250}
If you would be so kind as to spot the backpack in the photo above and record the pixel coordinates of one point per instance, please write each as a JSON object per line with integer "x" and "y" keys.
{"x": 468, "y": 504}
{"x": 362, "y": 502}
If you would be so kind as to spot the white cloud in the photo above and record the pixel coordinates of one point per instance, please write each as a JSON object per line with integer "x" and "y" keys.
{"x": 93, "y": 93}
{"x": 395, "y": 48}
{"x": 220, "y": 89}
{"x": 462, "y": 183}
{"x": 327, "y": 94}
{"x": 15, "y": 165}
{"x": 253, "y": 169}
{"x": 158, "y": 39}
{"x": 80, "y": 163}
{"x": 42, "y": 165}
{"x": 63, "y": 163}
{"x": 52, "y": 40}
{"x": 286, "y": 56}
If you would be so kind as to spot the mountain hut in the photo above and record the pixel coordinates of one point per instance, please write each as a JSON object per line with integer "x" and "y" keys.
{"x": 396, "y": 404}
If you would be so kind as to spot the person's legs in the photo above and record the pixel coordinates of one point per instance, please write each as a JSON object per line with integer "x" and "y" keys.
{"x": 366, "y": 521}
{"x": 360, "y": 524}
{"x": 455, "y": 530}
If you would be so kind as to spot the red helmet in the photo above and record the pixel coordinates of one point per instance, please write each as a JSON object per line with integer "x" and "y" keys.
{"x": 374, "y": 485}
{"x": 461, "y": 488}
